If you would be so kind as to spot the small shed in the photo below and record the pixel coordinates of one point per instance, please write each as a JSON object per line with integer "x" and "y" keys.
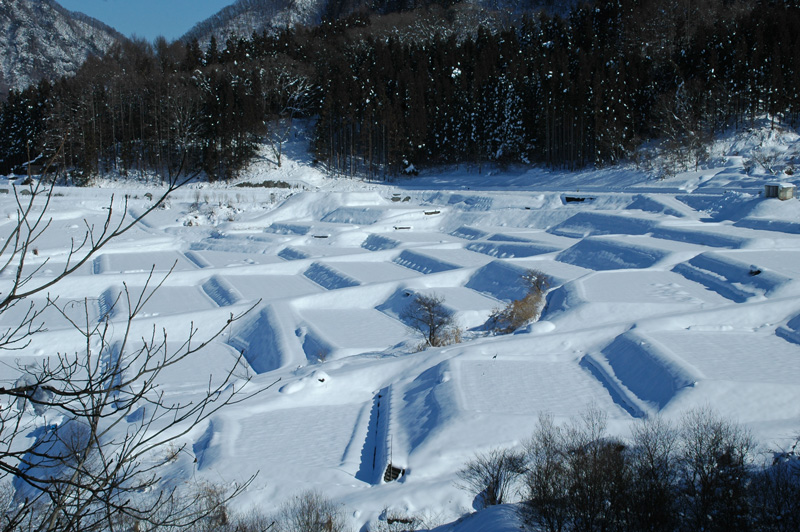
{"x": 782, "y": 191}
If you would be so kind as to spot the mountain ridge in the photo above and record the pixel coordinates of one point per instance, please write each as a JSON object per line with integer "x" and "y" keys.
{"x": 43, "y": 40}
{"x": 244, "y": 17}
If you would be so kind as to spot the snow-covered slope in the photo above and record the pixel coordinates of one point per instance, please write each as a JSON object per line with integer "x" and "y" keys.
{"x": 39, "y": 39}
{"x": 244, "y": 17}
{"x": 666, "y": 295}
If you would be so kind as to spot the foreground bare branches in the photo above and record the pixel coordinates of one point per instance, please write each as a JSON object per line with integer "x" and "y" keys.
{"x": 85, "y": 435}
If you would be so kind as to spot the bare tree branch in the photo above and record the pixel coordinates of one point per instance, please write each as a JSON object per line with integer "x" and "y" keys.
{"x": 99, "y": 417}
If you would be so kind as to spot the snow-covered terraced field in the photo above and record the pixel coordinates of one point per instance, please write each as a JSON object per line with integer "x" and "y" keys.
{"x": 660, "y": 300}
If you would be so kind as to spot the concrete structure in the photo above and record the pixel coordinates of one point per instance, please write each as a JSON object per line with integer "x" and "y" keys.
{"x": 782, "y": 191}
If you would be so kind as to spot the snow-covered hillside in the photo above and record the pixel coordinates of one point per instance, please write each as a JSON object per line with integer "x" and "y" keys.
{"x": 39, "y": 39}
{"x": 245, "y": 17}
{"x": 666, "y": 295}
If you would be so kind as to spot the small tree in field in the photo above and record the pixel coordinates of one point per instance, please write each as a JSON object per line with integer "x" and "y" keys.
{"x": 521, "y": 311}
{"x": 310, "y": 512}
{"x": 429, "y": 316}
{"x": 491, "y": 476}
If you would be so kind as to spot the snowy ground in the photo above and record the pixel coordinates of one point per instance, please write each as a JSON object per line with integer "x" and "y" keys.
{"x": 654, "y": 308}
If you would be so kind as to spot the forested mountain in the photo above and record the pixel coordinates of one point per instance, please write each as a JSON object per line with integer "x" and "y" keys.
{"x": 39, "y": 39}
{"x": 584, "y": 88}
{"x": 244, "y": 17}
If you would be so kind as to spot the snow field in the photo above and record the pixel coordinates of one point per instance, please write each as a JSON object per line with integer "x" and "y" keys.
{"x": 664, "y": 296}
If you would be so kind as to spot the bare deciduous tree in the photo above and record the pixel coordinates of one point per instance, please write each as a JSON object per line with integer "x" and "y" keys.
{"x": 99, "y": 417}
{"x": 577, "y": 477}
{"x": 545, "y": 506}
{"x": 429, "y": 316}
{"x": 686, "y": 137}
{"x": 775, "y": 494}
{"x": 715, "y": 456}
{"x": 654, "y": 472}
{"x": 491, "y": 476}
{"x": 310, "y": 512}
{"x": 695, "y": 478}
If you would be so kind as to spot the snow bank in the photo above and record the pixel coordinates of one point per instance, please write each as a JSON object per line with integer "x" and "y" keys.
{"x": 510, "y": 251}
{"x": 221, "y": 291}
{"x": 594, "y": 223}
{"x": 499, "y": 279}
{"x": 729, "y": 277}
{"x": 423, "y": 263}
{"x": 328, "y": 277}
{"x": 263, "y": 342}
{"x": 648, "y": 371}
{"x": 611, "y": 254}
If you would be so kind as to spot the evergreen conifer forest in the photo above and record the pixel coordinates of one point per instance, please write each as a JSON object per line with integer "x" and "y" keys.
{"x": 436, "y": 85}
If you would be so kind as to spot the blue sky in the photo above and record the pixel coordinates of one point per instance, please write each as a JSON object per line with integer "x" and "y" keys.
{"x": 148, "y": 18}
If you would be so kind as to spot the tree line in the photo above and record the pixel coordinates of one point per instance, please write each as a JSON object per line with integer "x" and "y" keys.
{"x": 702, "y": 473}
{"x": 392, "y": 93}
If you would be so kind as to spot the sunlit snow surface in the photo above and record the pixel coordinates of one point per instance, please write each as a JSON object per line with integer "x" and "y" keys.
{"x": 654, "y": 308}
